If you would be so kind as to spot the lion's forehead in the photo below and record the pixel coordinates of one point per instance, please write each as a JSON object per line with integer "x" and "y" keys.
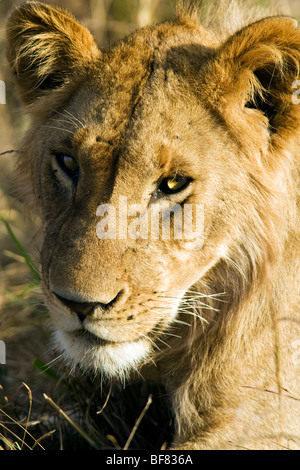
{"x": 139, "y": 80}
{"x": 146, "y": 133}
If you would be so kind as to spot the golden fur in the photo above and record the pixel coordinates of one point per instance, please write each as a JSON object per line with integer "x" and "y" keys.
{"x": 219, "y": 325}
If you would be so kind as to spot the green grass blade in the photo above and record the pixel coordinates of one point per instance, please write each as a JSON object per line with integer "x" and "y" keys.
{"x": 22, "y": 251}
{"x": 46, "y": 370}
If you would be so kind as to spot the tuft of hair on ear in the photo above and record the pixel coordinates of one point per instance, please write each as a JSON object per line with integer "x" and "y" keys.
{"x": 189, "y": 10}
{"x": 266, "y": 91}
{"x": 45, "y": 45}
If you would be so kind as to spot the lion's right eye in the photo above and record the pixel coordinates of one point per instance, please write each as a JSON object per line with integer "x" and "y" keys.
{"x": 174, "y": 184}
{"x": 69, "y": 165}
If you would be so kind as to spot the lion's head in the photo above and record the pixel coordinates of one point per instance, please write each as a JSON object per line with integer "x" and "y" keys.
{"x": 170, "y": 123}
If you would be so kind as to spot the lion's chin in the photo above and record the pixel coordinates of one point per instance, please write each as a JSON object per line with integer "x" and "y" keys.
{"x": 113, "y": 360}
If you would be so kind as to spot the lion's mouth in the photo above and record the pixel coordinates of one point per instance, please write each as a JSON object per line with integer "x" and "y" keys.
{"x": 94, "y": 340}
{"x": 91, "y": 338}
{"x": 90, "y": 352}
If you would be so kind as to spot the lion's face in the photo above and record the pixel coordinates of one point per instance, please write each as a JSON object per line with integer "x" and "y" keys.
{"x": 112, "y": 299}
{"x": 143, "y": 123}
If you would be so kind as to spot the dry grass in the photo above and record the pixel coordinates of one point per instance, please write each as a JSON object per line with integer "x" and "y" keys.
{"x": 47, "y": 409}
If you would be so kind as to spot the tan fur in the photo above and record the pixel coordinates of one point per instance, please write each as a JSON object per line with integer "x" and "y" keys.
{"x": 219, "y": 325}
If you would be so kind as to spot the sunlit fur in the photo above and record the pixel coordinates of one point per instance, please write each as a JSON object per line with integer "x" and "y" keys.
{"x": 212, "y": 99}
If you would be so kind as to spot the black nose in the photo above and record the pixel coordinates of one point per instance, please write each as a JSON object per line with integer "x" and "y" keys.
{"x": 83, "y": 309}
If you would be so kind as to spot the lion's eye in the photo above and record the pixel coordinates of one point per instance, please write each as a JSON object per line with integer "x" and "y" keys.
{"x": 174, "y": 184}
{"x": 69, "y": 165}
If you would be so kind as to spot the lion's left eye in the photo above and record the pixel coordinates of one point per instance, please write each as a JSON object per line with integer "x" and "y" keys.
{"x": 174, "y": 184}
{"x": 69, "y": 165}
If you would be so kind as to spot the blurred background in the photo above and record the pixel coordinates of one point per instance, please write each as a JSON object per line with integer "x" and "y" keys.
{"x": 21, "y": 315}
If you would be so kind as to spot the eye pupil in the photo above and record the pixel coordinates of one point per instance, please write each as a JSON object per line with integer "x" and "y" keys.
{"x": 175, "y": 182}
{"x": 172, "y": 185}
{"x": 69, "y": 165}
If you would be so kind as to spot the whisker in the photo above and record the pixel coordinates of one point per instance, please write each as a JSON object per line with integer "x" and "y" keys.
{"x": 74, "y": 117}
{"x": 59, "y": 129}
{"x": 163, "y": 342}
{"x": 194, "y": 314}
{"x": 236, "y": 266}
{"x": 68, "y": 119}
{"x": 187, "y": 304}
{"x": 191, "y": 294}
{"x": 180, "y": 322}
{"x": 53, "y": 361}
{"x": 141, "y": 335}
{"x": 199, "y": 317}
{"x": 187, "y": 307}
{"x": 165, "y": 333}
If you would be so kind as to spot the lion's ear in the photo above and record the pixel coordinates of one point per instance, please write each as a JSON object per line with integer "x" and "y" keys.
{"x": 256, "y": 68}
{"x": 46, "y": 48}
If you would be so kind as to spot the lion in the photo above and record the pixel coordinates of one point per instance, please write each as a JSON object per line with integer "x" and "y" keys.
{"x": 180, "y": 115}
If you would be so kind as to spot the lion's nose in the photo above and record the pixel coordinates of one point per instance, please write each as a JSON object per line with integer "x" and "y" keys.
{"x": 83, "y": 309}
